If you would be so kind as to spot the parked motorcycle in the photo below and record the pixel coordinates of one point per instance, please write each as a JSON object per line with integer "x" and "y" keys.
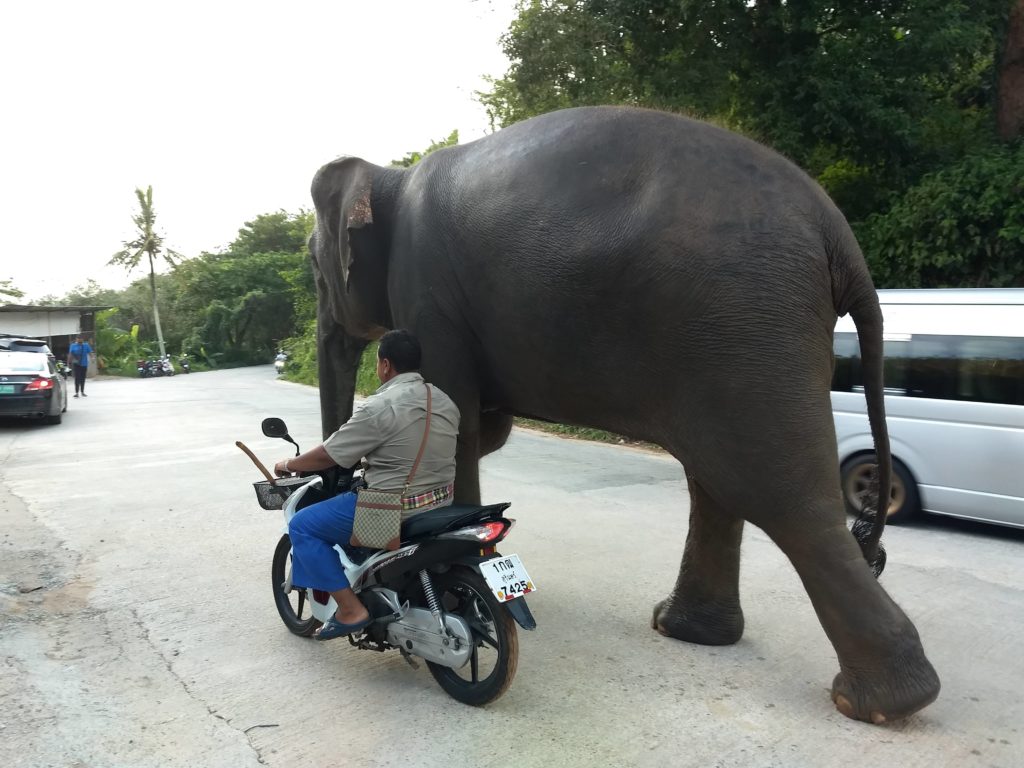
{"x": 166, "y": 367}
{"x": 184, "y": 363}
{"x": 279, "y": 362}
{"x": 143, "y": 367}
{"x": 63, "y": 368}
{"x": 445, "y": 595}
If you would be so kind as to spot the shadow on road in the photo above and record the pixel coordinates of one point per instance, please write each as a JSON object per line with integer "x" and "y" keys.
{"x": 972, "y": 527}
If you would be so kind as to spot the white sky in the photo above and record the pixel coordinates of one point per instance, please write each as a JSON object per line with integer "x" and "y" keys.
{"x": 226, "y": 107}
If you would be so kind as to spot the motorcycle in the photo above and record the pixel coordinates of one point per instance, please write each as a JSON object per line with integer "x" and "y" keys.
{"x": 184, "y": 363}
{"x": 63, "y": 368}
{"x": 165, "y": 366}
{"x": 279, "y": 362}
{"x": 143, "y": 367}
{"x": 446, "y": 595}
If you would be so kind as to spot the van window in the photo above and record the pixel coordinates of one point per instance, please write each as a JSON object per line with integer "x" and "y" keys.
{"x": 991, "y": 371}
{"x": 935, "y": 367}
{"x": 897, "y": 374}
{"x": 847, "y": 362}
{"x": 972, "y": 368}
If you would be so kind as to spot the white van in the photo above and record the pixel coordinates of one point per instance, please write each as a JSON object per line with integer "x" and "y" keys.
{"x": 954, "y": 404}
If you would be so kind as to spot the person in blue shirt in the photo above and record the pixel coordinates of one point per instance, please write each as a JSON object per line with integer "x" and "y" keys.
{"x": 78, "y": 359}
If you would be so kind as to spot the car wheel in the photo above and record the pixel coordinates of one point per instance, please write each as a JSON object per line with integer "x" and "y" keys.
{"x": 904, "y": 499}
{"x": 52, "y": 419}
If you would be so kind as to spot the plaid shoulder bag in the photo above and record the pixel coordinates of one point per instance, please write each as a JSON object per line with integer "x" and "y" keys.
{"x": 378, "y": 519}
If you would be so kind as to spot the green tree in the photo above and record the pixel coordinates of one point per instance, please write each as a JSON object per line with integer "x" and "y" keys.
{"x": 118, "y": 348}
{"x": 866, "y": 96}
{"x": 961, "y": 227}
{"x": 278, "y": 232}
{"x": 1010, "y": 113}
{"x": 240, "y": 303}
{"x": 411, "y": 158}
{"x": 150, "y": 243}
{"x": 7, "y": 289}
{"x": 89, "y": 294}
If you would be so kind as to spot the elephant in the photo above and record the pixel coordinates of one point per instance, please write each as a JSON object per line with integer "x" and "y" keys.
{"x": 658, "y": 277}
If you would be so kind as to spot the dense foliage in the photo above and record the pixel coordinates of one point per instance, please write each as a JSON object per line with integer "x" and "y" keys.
{"x": 411, "y": 158}
{"x": 870, "y": 97}
{"x": 960, "y": 227}
{"x": 234, "y": 307}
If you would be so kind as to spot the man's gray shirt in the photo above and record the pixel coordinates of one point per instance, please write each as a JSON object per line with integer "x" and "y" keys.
{"x": 387, "y": 428}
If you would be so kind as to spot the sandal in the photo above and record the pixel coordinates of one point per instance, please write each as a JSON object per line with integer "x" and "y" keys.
{"x": 334, "y": 628}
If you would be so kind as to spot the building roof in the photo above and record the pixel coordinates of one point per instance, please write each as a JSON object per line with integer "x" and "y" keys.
{"x": 50, "y": 308}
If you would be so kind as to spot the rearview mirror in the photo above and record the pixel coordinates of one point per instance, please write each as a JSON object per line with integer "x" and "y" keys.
{"x": 273, "y": 427}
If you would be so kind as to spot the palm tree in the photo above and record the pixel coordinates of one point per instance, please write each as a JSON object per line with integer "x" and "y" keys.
{"x": 150, "y": 243}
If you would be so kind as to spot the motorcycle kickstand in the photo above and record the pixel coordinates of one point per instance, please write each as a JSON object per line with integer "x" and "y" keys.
{"x": 409, "y": 659}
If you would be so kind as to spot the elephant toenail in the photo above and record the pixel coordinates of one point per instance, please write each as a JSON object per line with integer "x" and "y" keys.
{"x": 843, "y": 705}
{"x": 877, "y": 718}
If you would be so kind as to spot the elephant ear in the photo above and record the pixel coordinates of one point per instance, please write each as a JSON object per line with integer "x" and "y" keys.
{"x": 341, "y": 194}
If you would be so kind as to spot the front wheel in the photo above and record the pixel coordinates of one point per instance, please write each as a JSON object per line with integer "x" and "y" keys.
{"x": 291, "y": 603}
{"x": 492, "y": 665}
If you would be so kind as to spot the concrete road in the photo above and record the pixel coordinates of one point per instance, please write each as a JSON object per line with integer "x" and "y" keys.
{"x": 137, "y": 626}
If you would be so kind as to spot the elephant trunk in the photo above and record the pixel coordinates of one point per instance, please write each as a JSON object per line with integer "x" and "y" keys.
{"x": 338, "y": 357}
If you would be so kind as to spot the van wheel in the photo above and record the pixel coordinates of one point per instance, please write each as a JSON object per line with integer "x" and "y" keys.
{"x": 904, "y": 499}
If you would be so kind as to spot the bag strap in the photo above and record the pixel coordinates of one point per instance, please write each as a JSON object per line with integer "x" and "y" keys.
{"x": 423, "y": 444}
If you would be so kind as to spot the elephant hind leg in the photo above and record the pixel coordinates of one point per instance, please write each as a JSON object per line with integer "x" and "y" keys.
{"x": 704, "y": 606}
{"x": 883, "y": 672}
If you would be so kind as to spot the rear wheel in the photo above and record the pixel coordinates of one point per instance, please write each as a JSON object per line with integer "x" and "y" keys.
{"x": 292, "y": 603}
{"x": 490, "y": 669}
{"x": 904, "y": 500}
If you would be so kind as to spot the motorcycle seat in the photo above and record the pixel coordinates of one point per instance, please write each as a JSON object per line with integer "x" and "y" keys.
{"x": 449, "y": 518}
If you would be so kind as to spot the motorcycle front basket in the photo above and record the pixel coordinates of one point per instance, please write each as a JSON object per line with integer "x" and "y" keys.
{"x": 273, "y": 495}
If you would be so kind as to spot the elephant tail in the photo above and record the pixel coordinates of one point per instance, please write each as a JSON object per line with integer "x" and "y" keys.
{"x": 867, "y": 316}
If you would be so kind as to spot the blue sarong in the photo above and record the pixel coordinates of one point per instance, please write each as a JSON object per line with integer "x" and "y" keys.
{"x": 314, "y": 531}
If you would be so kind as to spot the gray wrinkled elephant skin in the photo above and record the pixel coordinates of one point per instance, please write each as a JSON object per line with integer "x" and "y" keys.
{"x": 653, "y": 276}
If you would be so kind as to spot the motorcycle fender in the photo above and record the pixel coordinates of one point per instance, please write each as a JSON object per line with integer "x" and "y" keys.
{"x": 521, "y": 613}
{"x": 518, "y": 608}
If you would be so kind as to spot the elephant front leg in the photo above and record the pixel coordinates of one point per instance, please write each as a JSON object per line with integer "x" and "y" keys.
{"x": 883, "y": 672}
{"x": 467, "y": 459}
{"x": 704, "y": 607}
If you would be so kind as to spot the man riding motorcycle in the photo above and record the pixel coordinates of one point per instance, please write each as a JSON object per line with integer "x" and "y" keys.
{"x": 387, "y": 429}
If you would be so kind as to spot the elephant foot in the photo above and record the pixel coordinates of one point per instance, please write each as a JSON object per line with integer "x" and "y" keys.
{"x": 702, "y": 623}
{"x": 890, "y": 692}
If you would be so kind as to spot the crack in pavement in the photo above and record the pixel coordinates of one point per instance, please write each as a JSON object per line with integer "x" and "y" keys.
{"x": 191, "y": 694}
